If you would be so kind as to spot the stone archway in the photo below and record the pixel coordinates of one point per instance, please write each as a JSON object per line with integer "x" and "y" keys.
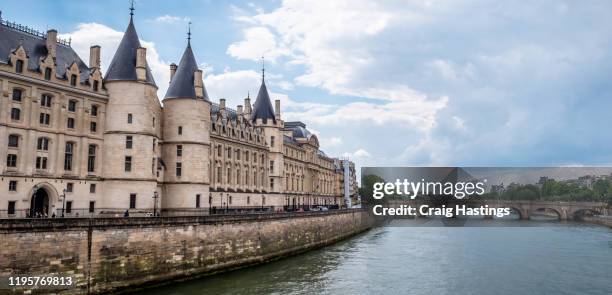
{"x": 42, "y": 200}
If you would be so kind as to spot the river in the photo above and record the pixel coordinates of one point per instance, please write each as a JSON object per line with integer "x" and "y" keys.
{"x": 529, "y": 257}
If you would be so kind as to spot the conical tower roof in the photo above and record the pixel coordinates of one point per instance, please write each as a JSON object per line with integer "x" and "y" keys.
{"x": 123, "y": 66}
{"x": 262, "y": 108}
{"x": 182, "y": 84}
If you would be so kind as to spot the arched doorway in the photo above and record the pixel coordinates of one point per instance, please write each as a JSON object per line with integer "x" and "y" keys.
{"x": 39, "y": 206}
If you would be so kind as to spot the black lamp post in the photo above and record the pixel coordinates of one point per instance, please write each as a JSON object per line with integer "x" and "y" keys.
{"x": 155, "y": 196}
{"x": 63, "y": 202}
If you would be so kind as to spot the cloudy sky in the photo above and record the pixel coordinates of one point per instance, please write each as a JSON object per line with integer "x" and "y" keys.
{"x": 394, "y": 83}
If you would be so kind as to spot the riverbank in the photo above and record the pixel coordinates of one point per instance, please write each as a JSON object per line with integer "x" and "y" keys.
{"x": 110, "y": 255}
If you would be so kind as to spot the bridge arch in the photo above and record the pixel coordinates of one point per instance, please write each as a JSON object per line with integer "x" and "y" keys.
{"x": 560, "y": 215}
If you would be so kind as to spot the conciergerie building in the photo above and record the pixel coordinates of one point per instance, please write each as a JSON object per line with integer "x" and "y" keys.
{"x": 81, "y": 141}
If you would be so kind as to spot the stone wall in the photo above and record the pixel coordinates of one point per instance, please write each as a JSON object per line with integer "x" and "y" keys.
{"x": 110, "y": 254}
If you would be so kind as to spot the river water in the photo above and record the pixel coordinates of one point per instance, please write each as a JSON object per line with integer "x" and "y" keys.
{"x": 530, "y": 257}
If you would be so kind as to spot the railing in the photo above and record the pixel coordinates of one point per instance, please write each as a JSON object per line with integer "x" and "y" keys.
{"x": 123, "y": 213}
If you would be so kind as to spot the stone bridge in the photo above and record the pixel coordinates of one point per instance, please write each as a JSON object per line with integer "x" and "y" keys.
{"x": 565, "y": 210}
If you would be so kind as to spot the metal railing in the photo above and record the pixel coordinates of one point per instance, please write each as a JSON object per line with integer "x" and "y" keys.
{"x": 123, "y": 213}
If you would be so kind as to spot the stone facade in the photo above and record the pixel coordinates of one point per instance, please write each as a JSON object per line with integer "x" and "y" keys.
{"x": 105, "y": 255}
{"x": 76, "y": 142}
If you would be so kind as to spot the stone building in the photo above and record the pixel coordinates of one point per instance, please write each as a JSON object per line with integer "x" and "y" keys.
{"x": 77, "y": 141}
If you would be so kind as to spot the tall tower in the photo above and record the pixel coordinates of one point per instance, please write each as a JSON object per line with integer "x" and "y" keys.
{"x": 186, "y": 135}
{"x": 264, "y": 116}
{"x": 133, "y": 119}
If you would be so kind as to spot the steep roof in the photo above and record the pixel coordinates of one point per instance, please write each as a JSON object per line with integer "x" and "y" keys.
{"x": 262, "y": 109}
{"x": 123, "y": 66}
{"x": 35, "y": 46}
{"x": 182, "y": 84}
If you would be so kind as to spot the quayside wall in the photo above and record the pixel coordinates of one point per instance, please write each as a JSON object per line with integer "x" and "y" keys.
{"x": 113, "y": 254}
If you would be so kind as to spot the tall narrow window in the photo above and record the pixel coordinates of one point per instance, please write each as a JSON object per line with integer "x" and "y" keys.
{"x": 13, "y": 186}
{"x": 93, "y": 127}
{"x": 92, "y": 188}
{"x": 271, "y": 166}
{"x": 179, "y": 150}
{"x": 69, "y": 187}
{"x": 43, "y": 144}
{"x": 272, "y": 141}
{"x": 41, "y": 163}
{"x": 11, "y": 207}
{"x": 72, "y": 105}
{"x": 13, "y": 140}
{"x": 96, "y": 85}
{"x": 94, "y": 110}
{"x": 129, "y": 119}
{"x": 132, "y": 201}
{"x": 68, "y": 207}
{"x": 17, "y": 94}
{"x": 91, "y": 158}
{"x": 198, "y": 201}
{"x": 128, "y": 142}
{"x": 180, "y": 130}
{"x": 44, "y": 119}
{"x": 11, "y": 160}
{"x": 15, "y": 114}
{"x": 19, "y": 66}
{"x": 68, "y": 156}
{"x": 73, "y": 80}
{"x": 47, "y": 73}
{"x": 128, "y": 163}
{"x": 45, "y": 100}
{"x": 179, "y": 169}
{"x": 69, "y": 123}
{"x": 92, "y": 206}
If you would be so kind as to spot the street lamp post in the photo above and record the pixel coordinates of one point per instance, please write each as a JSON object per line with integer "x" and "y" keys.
{"x": 155, "y": 196}
{"x": 63, "y": 201}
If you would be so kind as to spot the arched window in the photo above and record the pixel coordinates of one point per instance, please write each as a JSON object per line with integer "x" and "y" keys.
{"x": 13, "y": 140}
{"x": 43, "y": 144}
{"x": 73, "y": 80}
{"x": 68, "y": 154}
{"x": 91, "y": 158}
{"x": 47, "y": 73}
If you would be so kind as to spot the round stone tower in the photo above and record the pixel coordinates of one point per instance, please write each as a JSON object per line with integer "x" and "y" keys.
{"x": 133, "y": 130}
{"x": 186, "y": 148}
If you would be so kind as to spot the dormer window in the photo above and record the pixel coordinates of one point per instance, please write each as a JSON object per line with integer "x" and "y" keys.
{"x": 19, "y": 66}
{"x": 73, "y": 80}
{"x": 47, "y": 74}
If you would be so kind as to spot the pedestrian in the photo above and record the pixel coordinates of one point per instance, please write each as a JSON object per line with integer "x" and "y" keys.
{"x": 126, "y": 213}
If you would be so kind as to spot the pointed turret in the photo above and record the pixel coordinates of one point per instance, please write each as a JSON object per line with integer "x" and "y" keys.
{"x": 186, "y": 78}
{"x": 262, "y": 108}
{"x": 123, "y": 66}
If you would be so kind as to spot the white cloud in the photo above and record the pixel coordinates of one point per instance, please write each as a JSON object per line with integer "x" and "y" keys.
{"x": 88, "y": 34}
{"x": 171, "y": 19}
{"x": 258, "y": 42}
{"x": 358, "y": 154}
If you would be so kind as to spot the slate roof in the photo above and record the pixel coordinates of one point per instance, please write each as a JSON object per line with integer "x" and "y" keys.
{"x": 36, "y": 49}
{"x": 262, "y": 108}
{"x": 214, "y": 111}
{"x": 299, "y": 129}
{"x": 123, "y": 66}
{"x": 182, "y": 84}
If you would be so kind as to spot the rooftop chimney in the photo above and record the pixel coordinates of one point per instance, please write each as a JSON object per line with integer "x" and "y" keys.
{"x": 277, "y": 109}
{"x": 173, "y": 68}
{"x": 198, "y": 84}
{"x": 141, "y": 64}
{"x": 94, "y": 56}
{"x": 247, "y": 106}
{"x": 222, "y": 104}
{"x": 52, "y": 42}
{"x": 239, "y": 110}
